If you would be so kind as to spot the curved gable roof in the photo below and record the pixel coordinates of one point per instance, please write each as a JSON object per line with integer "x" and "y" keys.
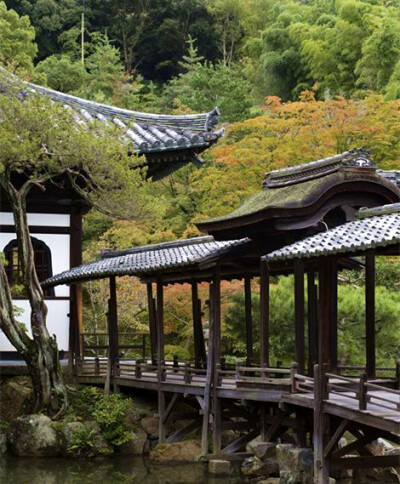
{"x": 296, "y": 188}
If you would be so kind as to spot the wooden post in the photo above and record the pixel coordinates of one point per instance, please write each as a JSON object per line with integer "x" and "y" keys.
{"x": 216, "y": 321}
{"x": 249, "y": 321}
{"x": 312, "y": 302}
{"x": 113, "y": 344}
{"x": 320, "y": 436}
{"x": 362, "y": 392}
{"x": 264, "y": 313}
{"x": 75, "y": 309}
{"x": 160, "y": 359}
{"x": 152, "y": 322}
{"x": 334, "y": 319}
{"x": 325, "y": 312}
{"x": 209, "y": 376}
{"x": 198, "y": 335}
{"x": 321, "y": 420}
{"x": 299, "y": 315}
{"x": 370, "y": 315}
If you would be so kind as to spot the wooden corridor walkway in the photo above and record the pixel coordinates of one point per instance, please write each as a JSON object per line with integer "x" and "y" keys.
{"x": 372, "y": 403}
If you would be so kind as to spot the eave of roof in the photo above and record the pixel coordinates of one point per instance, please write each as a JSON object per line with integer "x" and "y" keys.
{"x": 145, "y": 132}
{"x": 147, "y": 260}
{"x": 375, "y": 228}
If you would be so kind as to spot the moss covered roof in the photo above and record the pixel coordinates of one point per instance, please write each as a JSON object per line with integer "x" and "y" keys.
{"x": 291, "y": 196}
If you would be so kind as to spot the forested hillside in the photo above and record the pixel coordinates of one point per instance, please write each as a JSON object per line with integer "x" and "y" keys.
{"x": 295, "y": 80}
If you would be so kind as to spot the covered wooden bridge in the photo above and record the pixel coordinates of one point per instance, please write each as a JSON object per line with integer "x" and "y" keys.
{"x": 307, "y": 220}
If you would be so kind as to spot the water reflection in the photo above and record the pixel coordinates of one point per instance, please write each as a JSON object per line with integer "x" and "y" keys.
{"x": 105, "y": 471}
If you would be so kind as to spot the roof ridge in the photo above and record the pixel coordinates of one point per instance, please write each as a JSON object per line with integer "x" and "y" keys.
{"x": 366, "y": 212}
{"x": 359, "y": 157}
{"x": 106, "y": 254}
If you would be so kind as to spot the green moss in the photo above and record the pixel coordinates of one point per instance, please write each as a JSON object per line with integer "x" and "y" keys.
{"x": 292, "y": 196}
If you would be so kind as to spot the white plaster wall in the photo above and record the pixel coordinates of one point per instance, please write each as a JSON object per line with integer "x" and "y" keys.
{"x": 57, "y": 322}
{"x": 59, "y": 245}
{"x": 38, "y": 219}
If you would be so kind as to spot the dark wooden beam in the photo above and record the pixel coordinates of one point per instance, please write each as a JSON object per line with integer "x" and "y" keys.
{"x": 216, "y": 321}
{"x": 249, "y": 319}
{"x": 312, "y": 304}
{"x": 209, "y": 377}
{"x": 198, "y": 335}
{"x": 160, "y": 360}
{"x": 334, "y": 318}
{"x": 264, "y": 314}
{"x": 75, "y": 258}
{"x": 160, "y": 320}
{"x": 370, "y": 315}
{"x": 112, "y": 328}
{"x": 365, "y": 461}
{"x": 325, "y": 313}
{"x": 299, "y": 315}
{"x": 152, "y": 321}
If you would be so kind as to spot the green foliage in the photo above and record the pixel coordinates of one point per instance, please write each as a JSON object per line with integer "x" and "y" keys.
{"x": 82, "y": 444}
{"x": 281, "y": 323}
{"x": 62, "y": 73}
{"x": 182, "y": 353}
{"x": 17, "y": 47}
{"x": 205, "y": 86}
{"x": 110, "y": 411}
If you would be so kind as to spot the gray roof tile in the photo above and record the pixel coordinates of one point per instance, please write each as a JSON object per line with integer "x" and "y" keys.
{"x": 378, "y": 227}
{"x": 149, "y": 133}
{"x": 140, "y": 261}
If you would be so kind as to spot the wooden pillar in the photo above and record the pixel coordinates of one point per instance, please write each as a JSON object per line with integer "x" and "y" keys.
{"x": 370, "y": 316}
{"x": 299, "y": 315}
{"x": 325, "y": 313}
{"x": 75, "y": 309}
{"x": 334, "y": 319}
{"x": 209, "y": 377}
{"x": 249, "y": 320}
{"x": 312, "y": 302}
{"x": 160, "y": 359}
{"x": 198, "y": 335}
{"x": 321, "y": 420}
{"x": 216, "y": 321}
{"x": 152, "y": 322}
{"x": 112, "y": 327}
{"x": 264, "y": 314}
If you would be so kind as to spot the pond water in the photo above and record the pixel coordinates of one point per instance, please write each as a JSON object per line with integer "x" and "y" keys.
{"x": 116, "y": 470}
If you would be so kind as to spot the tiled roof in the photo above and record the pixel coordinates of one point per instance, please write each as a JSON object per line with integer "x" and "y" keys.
{"x": 297, "y": 174}
{"x": 377, "y": 227}
{"x": 148, "y": 133}
{"x": 149, "y": 259}
{"x": 391, "y": 175}
{"x": 301, "y": 186}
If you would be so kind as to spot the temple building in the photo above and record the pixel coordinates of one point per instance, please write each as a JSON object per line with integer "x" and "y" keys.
{"x": 311, "y": 221}
{"x": 55, "y": 216}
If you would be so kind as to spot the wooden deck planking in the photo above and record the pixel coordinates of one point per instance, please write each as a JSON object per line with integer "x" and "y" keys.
{"x": 383, "y": 413}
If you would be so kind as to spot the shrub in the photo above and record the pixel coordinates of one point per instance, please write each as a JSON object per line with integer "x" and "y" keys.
{"x": 110, "y": 411}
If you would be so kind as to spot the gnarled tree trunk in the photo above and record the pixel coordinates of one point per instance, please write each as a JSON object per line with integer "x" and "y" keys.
{"x": 40, "y": 352}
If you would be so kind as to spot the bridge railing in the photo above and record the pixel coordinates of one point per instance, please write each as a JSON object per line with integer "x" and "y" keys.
{"x": 97, "y": 344}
